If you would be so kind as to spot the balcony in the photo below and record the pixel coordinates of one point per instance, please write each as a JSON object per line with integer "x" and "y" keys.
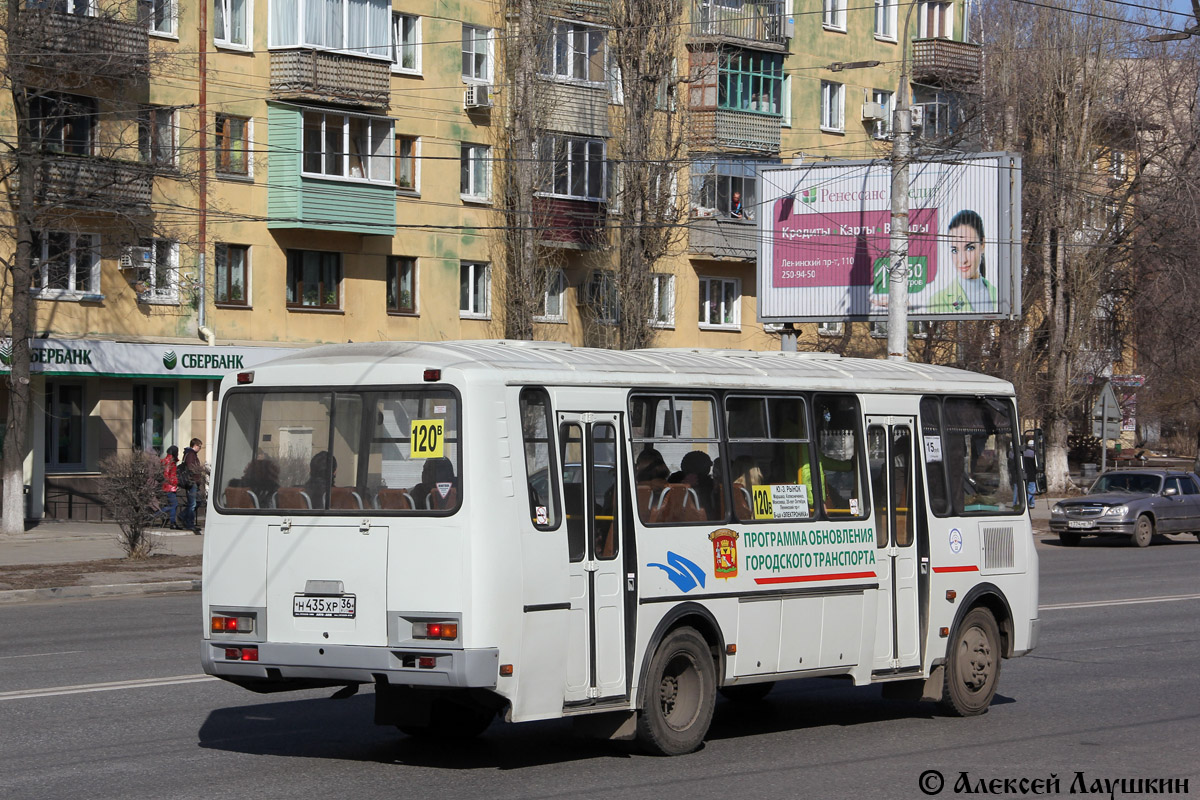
{"x": 320, "y": 76}
{"x": 746, "y": 22}
{"x": 723, "y": 238}
{"x": 90, "y": 182}
{"x": 76, "y": 45}
{"x": 574, "y": 224}
{"x": 943, "y": 62}
{"x": 728, "y": 130}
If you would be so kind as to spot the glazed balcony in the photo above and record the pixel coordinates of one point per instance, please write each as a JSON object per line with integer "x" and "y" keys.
{"x": 745, "y": 22}
{"x": 321, "y": 76}
{"x": 943, "y": 62}
{"x": 570, "y": 223}
{"x": 77, "y": 45}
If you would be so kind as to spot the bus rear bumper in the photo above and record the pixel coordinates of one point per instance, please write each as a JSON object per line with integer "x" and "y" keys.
{"x": 281, "y": 667}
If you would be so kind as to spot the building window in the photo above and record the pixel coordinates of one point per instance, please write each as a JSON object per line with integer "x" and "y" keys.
{"x": 935, "y": 20}
{"x": 476, "y": 53}
{"x": 361, "y": 26}
{"x": 65, "y": 428}
{"x": 751, "y": 80}
{"x": 348, "y": 147}
{"x": 576, "y": 167}
{"x": 402, "y": 285}
{"x": 878, "y": 328}
{"x": 785, "y": 108}
{"x": 830, "y": 328}
{"x": 233, "y": 274}
{"x": 407, "y": 177}
{"x": 159, "y": 15}
{"x": 156, "y": 136}
{"x": 406, "y": 41}
{"x": 65, "y": 263}
{"x": 232, "y": 141}
{"x": 314, "y": 279}
{"x": 157, "y": 271}
{"x": 578, "y": 51}
{"x": 603, "y": 297}
{"x": 885, "y": 19}
{"x": 474, "y": 285}
{"x": 833, "y": 14}
{"x": 231, "y": 22}
{"x": 80, "y": 8}
{"x": 726, "y": 189}
{"x": 63, "y": 123}
{"x": 882, "y": 128}
{"x": 474, "y": 183}
{"x": 552, "y": 307}
{"x": 662, "y": 314}
{"x": 720, "y": 303}
{"x": 833, "y": 106}
{"x": 153, "y": 417}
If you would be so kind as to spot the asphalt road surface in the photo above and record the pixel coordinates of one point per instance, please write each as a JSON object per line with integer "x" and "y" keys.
{"x": 104, "y": 699}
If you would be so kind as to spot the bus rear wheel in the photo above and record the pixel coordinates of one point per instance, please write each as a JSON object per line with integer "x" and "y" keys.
{"x": 680, "y": 695}
{"x": 972, "y": 665}
{"x": 1069, "y": 538}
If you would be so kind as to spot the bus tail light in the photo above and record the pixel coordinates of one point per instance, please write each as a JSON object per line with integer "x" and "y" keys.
{"x": 244, "y": 378}
{"x": 433, "y": 375}
{"x": 427, "y": 662}
{"x": 222, "y": 623}
{"x": 447, "y": 631}
{"x": 241, "y": 654}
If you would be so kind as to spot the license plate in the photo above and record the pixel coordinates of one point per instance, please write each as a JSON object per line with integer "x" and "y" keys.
{"x": 1080, "y": 523}
{"x": 307, "y": 605}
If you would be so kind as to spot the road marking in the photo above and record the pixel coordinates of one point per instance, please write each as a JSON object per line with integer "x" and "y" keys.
{"x": 1131, "y": 601}
{"x": 40, "y": 655}
{"x": 112, "y": 686}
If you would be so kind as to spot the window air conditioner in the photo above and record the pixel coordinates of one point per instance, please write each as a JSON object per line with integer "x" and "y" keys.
{"x": 479, "y": 95}
{"x": 873, "y": 112}
{"x": 917, "y": 114}
{"x": 135, "y": 257}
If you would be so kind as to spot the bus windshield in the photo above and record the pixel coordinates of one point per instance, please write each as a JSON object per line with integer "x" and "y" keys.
{"x": 331, "y": 450}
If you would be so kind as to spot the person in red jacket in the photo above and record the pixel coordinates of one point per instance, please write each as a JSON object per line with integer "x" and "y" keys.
{"x": 170, "y": 484}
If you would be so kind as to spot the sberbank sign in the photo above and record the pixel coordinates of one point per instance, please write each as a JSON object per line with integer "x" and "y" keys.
{"x": 225, "y": 363}
{"x": 60, "y": 355}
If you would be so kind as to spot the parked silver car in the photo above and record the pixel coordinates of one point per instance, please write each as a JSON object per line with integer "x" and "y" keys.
{"x": 1135, "y": 503}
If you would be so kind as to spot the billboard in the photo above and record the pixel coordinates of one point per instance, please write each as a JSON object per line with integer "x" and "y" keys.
{"x": 825, "y": 228}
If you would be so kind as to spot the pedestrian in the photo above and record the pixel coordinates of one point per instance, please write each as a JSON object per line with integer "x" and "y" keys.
{"x": 191, "y": 476}
{"x": 170, "y": 485}
{"x": 1029, "y": 464}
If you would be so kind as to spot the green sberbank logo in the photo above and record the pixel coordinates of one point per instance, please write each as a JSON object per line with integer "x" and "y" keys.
{"x": 170, "y": 359}
{"x": 808, "y": 196}
{"x": 6, "y": 353}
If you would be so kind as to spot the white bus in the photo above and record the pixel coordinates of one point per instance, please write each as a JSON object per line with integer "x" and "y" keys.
{"x": 533, "y": 530}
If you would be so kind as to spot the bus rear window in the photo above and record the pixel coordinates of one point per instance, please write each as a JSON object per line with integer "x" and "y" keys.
{"x": 340, "y": 451}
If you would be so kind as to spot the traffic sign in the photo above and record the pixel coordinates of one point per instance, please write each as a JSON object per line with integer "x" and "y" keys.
{"x": 1106, "y": 414}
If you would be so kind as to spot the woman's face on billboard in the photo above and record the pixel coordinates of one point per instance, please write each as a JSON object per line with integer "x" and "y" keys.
{"x": 966, "y": 251}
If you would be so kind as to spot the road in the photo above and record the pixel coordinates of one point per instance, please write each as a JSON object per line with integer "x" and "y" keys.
{"x": 102, "y": 699}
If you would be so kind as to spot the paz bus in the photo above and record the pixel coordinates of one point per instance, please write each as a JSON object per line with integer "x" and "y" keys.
{"x": 532, "y": 530}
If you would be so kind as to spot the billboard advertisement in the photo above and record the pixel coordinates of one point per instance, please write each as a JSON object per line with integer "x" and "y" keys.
{"x": 825, "y": 232}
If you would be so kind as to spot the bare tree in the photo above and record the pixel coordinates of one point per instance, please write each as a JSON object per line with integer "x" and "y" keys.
{"x": 645, "y": 42}
{"x": 130, "y": 485}
{"x": 82, "y": 146}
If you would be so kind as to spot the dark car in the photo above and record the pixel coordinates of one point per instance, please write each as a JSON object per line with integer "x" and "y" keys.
{"x": 1133, "y": 503}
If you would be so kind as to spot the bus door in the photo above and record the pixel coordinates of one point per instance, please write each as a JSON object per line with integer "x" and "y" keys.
{"x": 591, "y": 493}
{"x": 893, "y": 490}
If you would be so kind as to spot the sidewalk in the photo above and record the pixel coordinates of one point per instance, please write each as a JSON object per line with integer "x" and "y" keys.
{"x": 55, "y": 559}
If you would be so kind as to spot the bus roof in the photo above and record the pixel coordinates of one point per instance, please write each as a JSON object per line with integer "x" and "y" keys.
{"x": 559, "y": 363}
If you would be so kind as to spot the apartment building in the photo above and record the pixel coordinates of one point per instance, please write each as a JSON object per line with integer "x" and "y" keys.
{"x": 222, "y": 182}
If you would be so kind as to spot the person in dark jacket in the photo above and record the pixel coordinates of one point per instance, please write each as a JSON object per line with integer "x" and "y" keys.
{"x": 191, "y": 477}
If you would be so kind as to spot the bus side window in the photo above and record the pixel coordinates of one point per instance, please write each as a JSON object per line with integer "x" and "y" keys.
{"x": 574, "y": 507}
{"x": 541, "y": 469}
{"x": 840, "y": 458}
{"x": 933, "y": 445}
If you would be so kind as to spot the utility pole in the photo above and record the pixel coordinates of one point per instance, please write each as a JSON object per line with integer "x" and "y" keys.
{"x": 897, "y": 319}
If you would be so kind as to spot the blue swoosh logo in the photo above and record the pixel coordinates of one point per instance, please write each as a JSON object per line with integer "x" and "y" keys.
{"x": 683, "y": 573}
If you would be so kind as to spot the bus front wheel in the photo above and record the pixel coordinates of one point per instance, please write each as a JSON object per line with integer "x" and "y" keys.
{"x": 972, "y": 665}
{"x": 680, "y": 695}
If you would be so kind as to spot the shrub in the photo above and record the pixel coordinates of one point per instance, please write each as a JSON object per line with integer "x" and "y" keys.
{"x": 130, "y": 488}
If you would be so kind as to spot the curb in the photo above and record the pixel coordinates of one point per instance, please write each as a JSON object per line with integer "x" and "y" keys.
{"x": 107, "y": 590}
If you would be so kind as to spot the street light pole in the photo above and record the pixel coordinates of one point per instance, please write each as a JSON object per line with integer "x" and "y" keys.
{"x": 897, "y": 317}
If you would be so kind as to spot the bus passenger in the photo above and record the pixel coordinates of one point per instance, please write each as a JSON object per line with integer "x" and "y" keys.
{"x": 651, "y": 473}
{"x": 694, "y": 471}
{"x": 437, "y": 488}
{"x": 322, "y": 473}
